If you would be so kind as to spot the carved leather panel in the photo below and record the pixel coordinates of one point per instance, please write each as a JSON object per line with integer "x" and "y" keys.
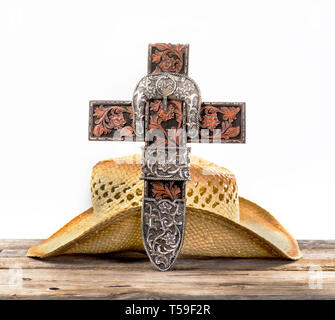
{"x": 111, "y": 120}
{"x": 165, "y": 124}
{"x": 167, "y": 57}
{"x": 221, "y": 122}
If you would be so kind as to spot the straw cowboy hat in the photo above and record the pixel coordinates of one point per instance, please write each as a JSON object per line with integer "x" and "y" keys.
{"x": 219, "y": 222}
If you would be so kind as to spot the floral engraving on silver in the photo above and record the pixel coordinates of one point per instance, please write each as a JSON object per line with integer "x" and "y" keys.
{"x": 163, "y": 224}
{"x": 165, "y": 163}
{"x": 164, "y": 85}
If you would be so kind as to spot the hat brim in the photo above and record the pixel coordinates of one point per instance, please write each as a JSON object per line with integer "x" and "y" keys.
{"x": 257, "y": 235}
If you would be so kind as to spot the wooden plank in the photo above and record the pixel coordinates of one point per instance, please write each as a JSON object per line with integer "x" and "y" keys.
{"x": 18, "y": 243}
{"x": 109, "y": 263}
{"x": 27, "y": 243}
{"x": 196, "y": 285}
{"x": 108, "y": 277}
{"x": 313, "y": 244}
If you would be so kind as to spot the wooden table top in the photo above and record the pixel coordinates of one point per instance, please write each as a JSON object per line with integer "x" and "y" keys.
{"x": 107, "y": 277}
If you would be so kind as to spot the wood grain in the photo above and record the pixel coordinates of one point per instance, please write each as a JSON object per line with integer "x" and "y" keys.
{"x": 112, "y": 277}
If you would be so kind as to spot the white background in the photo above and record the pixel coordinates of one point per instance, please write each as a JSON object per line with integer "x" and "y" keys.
{"x": 277, "y": 56}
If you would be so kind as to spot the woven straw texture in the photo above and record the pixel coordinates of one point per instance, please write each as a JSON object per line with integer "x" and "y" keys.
{"x": 218, "y": 222}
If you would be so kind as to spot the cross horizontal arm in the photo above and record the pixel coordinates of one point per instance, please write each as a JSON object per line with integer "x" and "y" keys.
{"x": 220, "y": 122}
{"x": 111, "y": 120}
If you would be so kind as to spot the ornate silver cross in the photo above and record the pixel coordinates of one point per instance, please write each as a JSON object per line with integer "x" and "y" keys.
{"x": 166, "y": 113}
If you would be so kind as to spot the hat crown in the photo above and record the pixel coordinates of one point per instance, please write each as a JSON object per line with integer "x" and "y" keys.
{"x": 116, "y": 187}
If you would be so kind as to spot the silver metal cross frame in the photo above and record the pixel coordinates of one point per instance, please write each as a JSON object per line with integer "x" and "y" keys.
{"x": 166, "y": 113}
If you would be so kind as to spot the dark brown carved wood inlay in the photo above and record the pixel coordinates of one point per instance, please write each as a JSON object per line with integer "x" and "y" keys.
{"x": 166, "y": 190}
{"x": 108, "y": 120}
{"x": 165, "y": 123}
{"x": 166, "y": 57}
{"x": 222, "y": 122}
